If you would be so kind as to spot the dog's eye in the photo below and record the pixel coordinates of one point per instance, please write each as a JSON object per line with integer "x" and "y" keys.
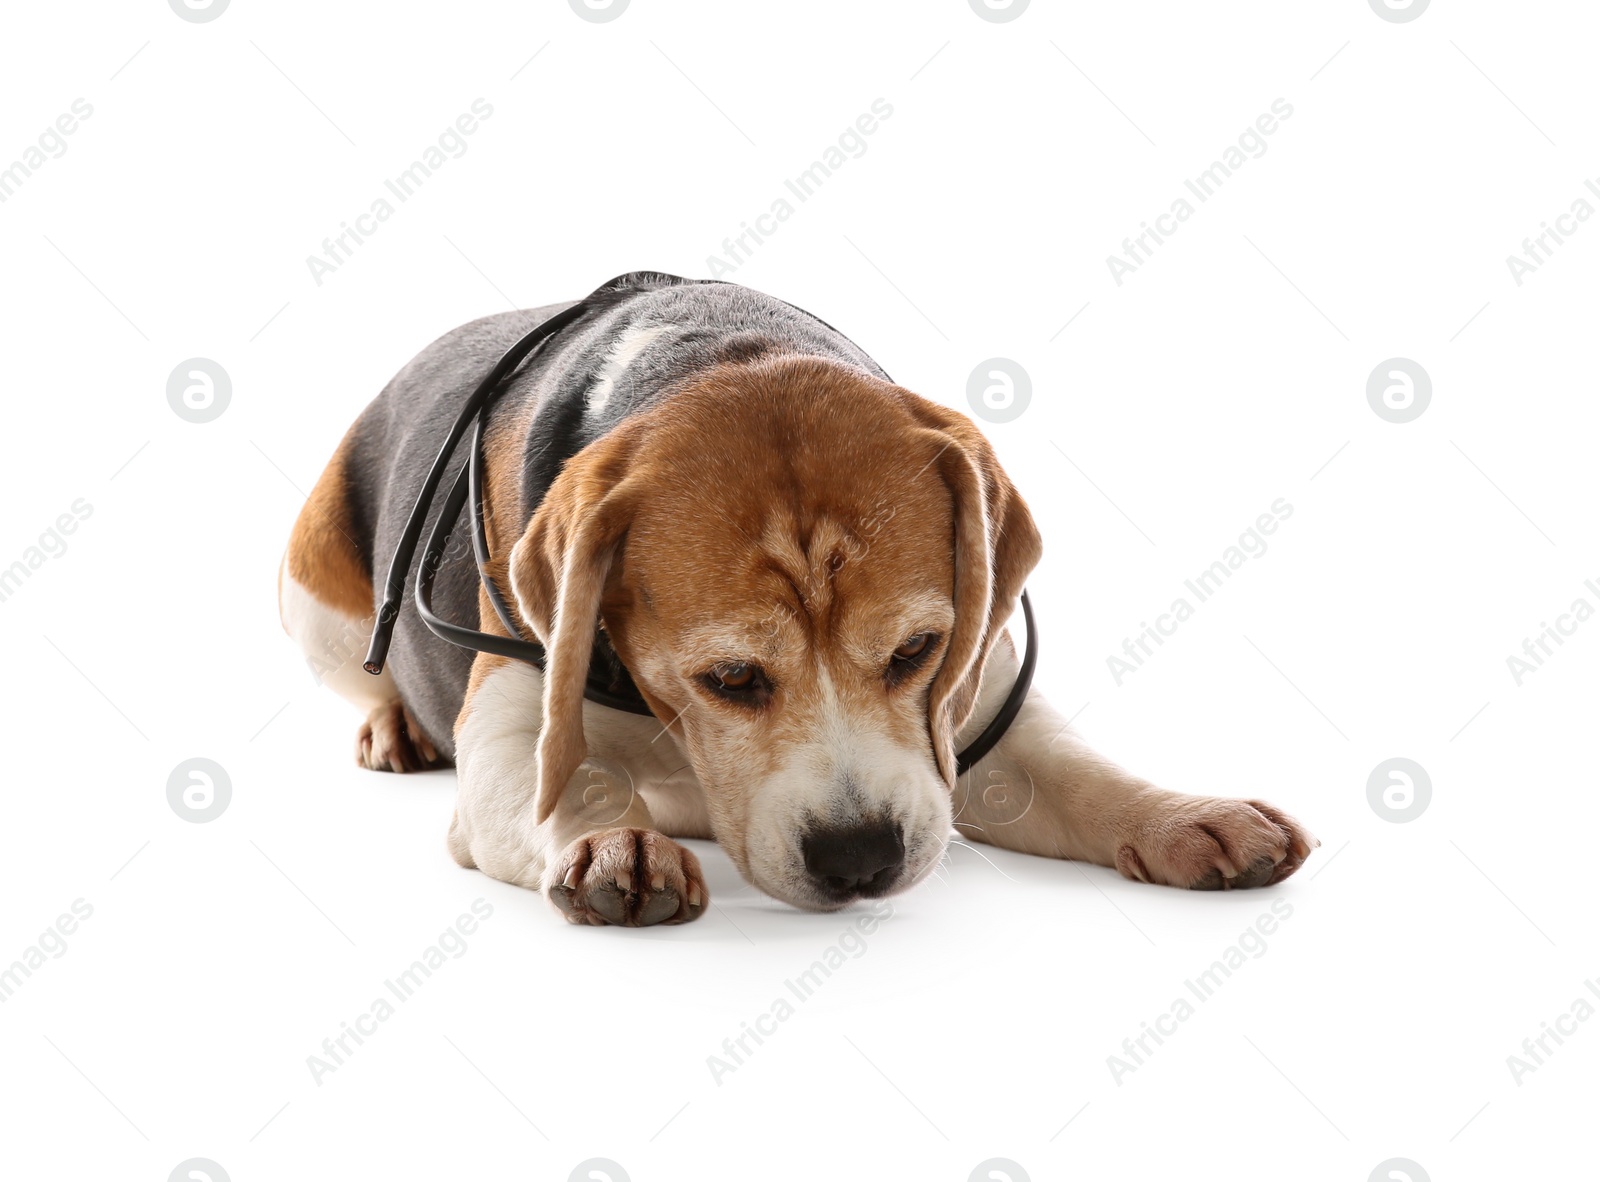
{"x": 734, "y": 677}
{"x": 910, "y": 656}
{"x": 741, "y": 682}
{"x": 913, "y": 648}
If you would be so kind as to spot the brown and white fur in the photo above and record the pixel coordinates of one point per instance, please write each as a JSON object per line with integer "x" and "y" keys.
{"x": 776, "y": 506}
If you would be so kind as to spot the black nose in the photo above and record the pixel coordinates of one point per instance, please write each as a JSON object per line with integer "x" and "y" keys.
{"x": 856, "y": 859}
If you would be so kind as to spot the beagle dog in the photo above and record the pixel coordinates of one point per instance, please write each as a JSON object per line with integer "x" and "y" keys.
{"x": 707, "y": 498}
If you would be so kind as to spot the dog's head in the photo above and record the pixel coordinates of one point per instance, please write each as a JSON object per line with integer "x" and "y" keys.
{"x": 804, "y": 568}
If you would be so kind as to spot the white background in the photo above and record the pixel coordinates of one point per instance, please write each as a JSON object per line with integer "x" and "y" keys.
{"x": 1230, "y": 370}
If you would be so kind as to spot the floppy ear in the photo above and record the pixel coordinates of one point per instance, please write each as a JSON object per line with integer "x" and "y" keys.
{"x": 558, "y": 571}
{"x": 996, "y": 546}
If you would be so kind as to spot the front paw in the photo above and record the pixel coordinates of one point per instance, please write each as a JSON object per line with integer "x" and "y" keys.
{"x": 1212, "y": 844}
{"x": 628, "y": 877}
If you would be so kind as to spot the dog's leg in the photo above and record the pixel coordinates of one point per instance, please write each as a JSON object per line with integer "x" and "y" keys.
{"x": 326, "y": 603}
{"x": 600, "y": 858}
{"x": 1042, "y": 791}
{"x": 334, "y": 641}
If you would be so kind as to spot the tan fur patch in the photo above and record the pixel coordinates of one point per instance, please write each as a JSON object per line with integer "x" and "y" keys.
{"x": 504, "y": 451}
{"x": 323, "y": 556}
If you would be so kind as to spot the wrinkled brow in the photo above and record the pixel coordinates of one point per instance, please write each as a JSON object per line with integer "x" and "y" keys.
{"x": 865, "y": 638}
{"x": 809, "y": 563}
{"x": 752, "y": 637}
